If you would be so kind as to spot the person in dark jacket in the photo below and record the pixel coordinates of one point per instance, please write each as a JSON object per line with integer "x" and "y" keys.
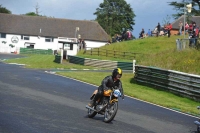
{"x": 158, "y": 30}
{"x": 109, "y": 82}
{"x": 142, "y": 33}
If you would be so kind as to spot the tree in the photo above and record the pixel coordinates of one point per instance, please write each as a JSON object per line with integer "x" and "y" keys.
{"x": 37, "y": 9}
{"x": 4, "y": 10}
{"x": 179, "y": 7}
{"x": 115, "y": 16}
{"x": 36, "y": 13}
{"x": 166, "y": 20}
{"x": 31, "y": 14}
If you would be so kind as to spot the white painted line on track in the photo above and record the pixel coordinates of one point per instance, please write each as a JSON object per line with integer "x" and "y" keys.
{"x": 73, "y": 69}
{"x": 16, "y": 64}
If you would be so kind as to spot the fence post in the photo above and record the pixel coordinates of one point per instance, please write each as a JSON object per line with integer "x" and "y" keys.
{"x": 134, "y": 62}
{"x": 178, "y": 44}
{"x": 61, "y": 58}
{"x": 84, "y": 51}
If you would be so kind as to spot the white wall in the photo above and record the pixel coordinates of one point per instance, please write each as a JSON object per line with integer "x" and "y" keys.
{"x": 41, "y": 44}
{"x": 74, "y": 51}
{"x": 5, "y": 48}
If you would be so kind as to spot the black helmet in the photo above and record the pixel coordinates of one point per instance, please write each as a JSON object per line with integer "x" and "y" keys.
{"x": 117, "y": 71}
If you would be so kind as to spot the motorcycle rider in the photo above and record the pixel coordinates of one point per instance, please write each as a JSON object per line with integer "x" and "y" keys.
{"x": 109, "y": 82}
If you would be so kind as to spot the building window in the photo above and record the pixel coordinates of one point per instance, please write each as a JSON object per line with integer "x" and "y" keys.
{"x": 48, "y": 39}
{"x": 26, "y": 37}
{"x": 2, "y": 35}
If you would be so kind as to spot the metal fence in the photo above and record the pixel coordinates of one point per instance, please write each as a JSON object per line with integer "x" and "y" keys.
{"x": 111, "y": 53}
{"x": 187, "y": 85}
{"x": 187, "y": 43}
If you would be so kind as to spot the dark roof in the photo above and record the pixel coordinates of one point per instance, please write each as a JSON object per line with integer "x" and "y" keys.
{"x": 193, "y": 18}
{"x": 51, "y": 27}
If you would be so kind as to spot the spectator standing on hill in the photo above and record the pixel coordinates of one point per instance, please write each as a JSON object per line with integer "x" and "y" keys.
{"x": 158, "y": 29}
{"x": 190, "y": 29}
{"x": 169, "y": 27}
{"x": 180, "y": 27}
{"x": 141, "y": 33}
{"x": 118, "y": 38}
{"x": 149, "y": 32}
{"x": 196, "y": 33}
{"x": 83, "y": 44}
{"x": 129, "y": 35}
{"x": 186, "y": 27}
{"x": 194, "y": 26}
{"x": 191, "y": 40}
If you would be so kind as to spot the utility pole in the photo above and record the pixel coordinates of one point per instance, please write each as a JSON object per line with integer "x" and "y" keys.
{"x": 184, "y": 19}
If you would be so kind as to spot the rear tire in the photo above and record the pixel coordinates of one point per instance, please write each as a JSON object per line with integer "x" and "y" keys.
{"x": 110, "y": 112}
{"x": 198, "y": 129}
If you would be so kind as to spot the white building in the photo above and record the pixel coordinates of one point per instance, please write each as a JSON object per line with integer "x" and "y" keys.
{"x": 48, "y": 33}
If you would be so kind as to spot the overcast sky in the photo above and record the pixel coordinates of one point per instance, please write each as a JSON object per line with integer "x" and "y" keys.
{"x": 148, "y": 12}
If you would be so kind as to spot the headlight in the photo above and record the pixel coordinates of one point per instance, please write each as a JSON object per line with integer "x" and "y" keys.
{"x": 117, "y": 93}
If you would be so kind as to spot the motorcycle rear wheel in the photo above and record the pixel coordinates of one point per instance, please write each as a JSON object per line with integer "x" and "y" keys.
{"x": 110, "y": 112}
{"x": 198, "y": 129}
{"x": 91, "y": 113}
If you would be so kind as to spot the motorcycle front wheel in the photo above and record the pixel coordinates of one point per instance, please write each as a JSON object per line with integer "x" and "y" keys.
{"x": 110, "y": 112}
{"x": 91, "y": 113}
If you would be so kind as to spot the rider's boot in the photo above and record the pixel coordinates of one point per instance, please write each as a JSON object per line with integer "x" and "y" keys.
{"x": 93, "y": 101}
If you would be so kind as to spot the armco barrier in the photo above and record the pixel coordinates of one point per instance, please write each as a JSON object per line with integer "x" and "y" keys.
{"x": 57, "y": 59}
{"x": 76, "y": 60}
{"x": 100, "y": 63}
{"x": 187, "y": 85}
{"x": 35, "y": 51}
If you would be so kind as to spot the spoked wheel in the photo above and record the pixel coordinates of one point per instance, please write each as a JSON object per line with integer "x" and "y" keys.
{"x": 91, "y": 113}
{"x": 110, "y": 112}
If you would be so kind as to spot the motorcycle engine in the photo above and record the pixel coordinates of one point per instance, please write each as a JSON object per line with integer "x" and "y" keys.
{"x": 99, "y": 107}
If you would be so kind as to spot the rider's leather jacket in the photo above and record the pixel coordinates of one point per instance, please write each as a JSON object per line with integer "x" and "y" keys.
{"x": 108, "y": 82}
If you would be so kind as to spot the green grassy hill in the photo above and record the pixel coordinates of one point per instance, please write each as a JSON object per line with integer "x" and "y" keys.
{"x": 159, "y": 52}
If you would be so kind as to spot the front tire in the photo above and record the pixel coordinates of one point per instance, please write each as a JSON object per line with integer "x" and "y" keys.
{"x": 110, "y": 112}
{"x": 91, "y": 113}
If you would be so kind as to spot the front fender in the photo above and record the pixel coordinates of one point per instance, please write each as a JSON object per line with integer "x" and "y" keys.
{"x": 114, "y": 100}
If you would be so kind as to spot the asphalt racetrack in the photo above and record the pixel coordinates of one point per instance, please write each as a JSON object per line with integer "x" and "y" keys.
{"x": 33, "y": 101}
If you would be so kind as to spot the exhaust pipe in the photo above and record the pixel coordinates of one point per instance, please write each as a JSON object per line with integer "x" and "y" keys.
{"x": 90, "y": 108}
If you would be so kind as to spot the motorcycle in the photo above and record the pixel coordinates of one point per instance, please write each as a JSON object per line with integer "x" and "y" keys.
{"x": 197, "y": 122}
{"x": 107, "y": 105}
